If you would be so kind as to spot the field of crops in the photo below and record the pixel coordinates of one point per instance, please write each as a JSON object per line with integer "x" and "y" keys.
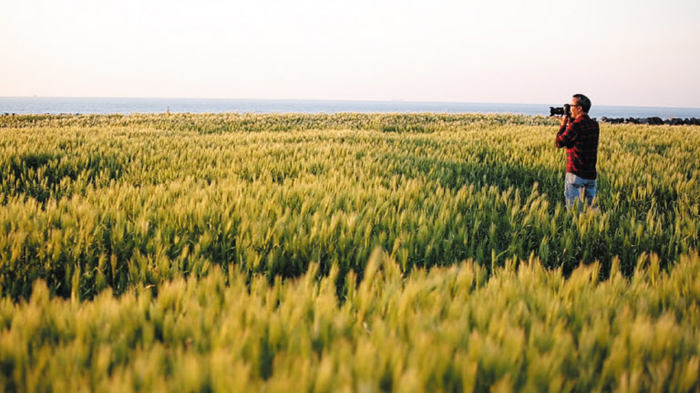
{"x": 405, "y": 252}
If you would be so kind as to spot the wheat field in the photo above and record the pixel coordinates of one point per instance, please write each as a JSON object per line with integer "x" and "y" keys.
{"x": 345, "y": 252}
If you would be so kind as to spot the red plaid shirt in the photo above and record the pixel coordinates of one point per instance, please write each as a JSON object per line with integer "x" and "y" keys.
{"x": 581, "y": 141}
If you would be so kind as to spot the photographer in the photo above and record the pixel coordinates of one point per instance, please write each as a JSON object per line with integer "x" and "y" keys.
{"x": 579, "y": 134}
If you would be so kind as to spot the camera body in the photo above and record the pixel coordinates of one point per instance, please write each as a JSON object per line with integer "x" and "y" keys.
{"x": 561, "y": 111}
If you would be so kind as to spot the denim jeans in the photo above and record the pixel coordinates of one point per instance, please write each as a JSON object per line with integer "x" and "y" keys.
{"x": 577, "y": 187}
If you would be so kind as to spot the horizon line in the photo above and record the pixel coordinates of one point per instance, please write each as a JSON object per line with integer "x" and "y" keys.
{"x": 334, "y": 100}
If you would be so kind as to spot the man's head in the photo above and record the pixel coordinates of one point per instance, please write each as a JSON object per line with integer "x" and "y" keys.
{"x": 580, "y": 104}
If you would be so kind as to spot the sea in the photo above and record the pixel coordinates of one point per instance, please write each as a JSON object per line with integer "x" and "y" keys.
{"x": 53, "y": 105}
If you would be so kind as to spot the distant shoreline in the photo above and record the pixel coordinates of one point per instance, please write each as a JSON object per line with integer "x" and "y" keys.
{"x": 55, "y": 105}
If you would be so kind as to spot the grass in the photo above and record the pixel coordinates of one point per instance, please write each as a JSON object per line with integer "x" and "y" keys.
{"x": 343, "y": 252}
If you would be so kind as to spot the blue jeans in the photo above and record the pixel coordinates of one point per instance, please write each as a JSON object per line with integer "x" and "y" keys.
{"x": 578, "y": 188}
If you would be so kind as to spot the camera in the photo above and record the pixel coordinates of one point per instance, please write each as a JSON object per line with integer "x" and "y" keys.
{"x": 566, "y": 110}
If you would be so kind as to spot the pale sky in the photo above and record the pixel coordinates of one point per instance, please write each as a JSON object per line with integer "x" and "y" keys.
{"x": 618, "y": 52}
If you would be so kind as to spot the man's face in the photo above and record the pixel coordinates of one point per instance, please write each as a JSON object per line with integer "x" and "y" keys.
{"x": 576, "y": 110}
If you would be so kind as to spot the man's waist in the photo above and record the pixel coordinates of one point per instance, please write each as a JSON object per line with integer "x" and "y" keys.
{"x": 584, "y": 174}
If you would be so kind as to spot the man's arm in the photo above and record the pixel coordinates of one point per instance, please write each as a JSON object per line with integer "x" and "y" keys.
{"x": 566, "y": 135}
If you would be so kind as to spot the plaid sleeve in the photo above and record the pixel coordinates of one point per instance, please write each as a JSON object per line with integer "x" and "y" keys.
{"x": 567, "y": 136}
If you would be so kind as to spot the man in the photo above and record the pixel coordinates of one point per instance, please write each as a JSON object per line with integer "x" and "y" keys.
{"x": 579, "y": 134}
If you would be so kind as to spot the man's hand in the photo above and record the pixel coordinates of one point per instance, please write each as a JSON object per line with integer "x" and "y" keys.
{"x": 562, "y": 120}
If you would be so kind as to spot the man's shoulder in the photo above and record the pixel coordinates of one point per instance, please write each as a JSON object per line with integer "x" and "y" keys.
{"x": 586, "y": 121}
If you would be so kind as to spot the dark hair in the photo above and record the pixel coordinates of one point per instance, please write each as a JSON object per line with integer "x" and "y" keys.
{"x": 583, "y": 101}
